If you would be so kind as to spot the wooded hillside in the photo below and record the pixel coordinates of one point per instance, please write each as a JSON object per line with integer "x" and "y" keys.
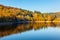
{"x": 11, "y": 14}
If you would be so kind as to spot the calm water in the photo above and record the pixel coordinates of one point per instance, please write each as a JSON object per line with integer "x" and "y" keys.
{"x": 30, "y": 31}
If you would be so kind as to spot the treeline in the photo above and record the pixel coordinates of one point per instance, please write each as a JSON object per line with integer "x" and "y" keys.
{"x": 11, "y": 14}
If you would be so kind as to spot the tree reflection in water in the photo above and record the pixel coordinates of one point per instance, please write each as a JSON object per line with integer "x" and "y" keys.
{"x": 19, "y": 28}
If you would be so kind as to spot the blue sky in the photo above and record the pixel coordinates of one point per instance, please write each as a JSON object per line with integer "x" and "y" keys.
{"x": 39, "y": 5}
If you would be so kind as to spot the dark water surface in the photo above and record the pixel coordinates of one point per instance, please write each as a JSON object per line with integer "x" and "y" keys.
{"x": 30, "y": 31}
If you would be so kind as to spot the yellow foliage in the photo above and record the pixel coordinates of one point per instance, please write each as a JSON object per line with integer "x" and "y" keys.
{"x": 20, "y": 16}
{"x": 57, "y": 19}
{"x": 28, "y": 17}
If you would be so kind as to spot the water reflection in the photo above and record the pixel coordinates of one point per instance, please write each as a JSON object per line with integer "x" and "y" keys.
{"x": 6, "y": 30}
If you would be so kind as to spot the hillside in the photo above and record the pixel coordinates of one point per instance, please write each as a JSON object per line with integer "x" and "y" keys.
{"x": 11, "y": 14}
